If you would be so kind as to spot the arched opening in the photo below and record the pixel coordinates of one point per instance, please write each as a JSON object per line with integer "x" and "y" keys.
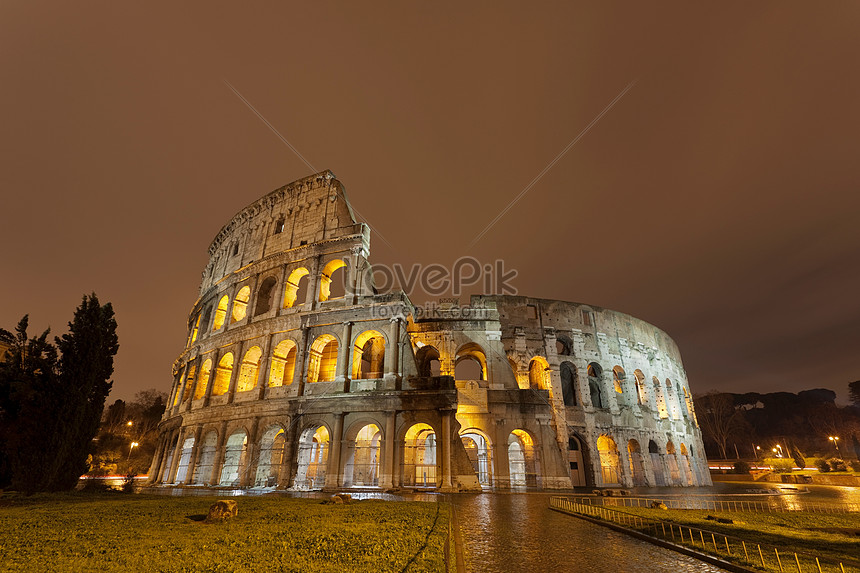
{"x": 419, "y": 456}
{"x": 362, "y": 465}
{"x": 641, "y": 393}
{"x": 672, "y": 462}
{"x": 332, "y": 280}
{"x": 634, "y": 454}
{"x": 234, "y": 459}
{"x": 240, "y": 304}
{"x": 203, "y": 380}
{"x": 194, "y": 328}
{"x": 470, "y": 363}
{"x": 618, "y": 378}
{"x": 312, "y": 458}
{"x": 322, "y": 366}
{"x": 205, "y": 459}
{"x": 250, "y": 370}
{"x": 671, "y": 402}
{"x": 661, "y": 399}
{"x": 656, "y": 463}
{"x": 478, "y": 450}
{"x": 184, "y": 460}
{"x": 691, "y": 413}
{"x": 222, "y": 375}
{"x": 368, "y": 355}
{"x": 296, "y": 290}
{"x": 575, "y": 458}
{"x": 522, "y": 459}
{"x": 283, "y": 364}
{"x": 429, "y": 362}
{"x": 685, "y": 465}
{"x": 207, "y": 314}
{"x": 563, "y": 345}
{"x": 539, "y": 374}
{"x": 265, "y": 295}
{"x": 189, "y": 381}
{"x": 270, "y": 458}
{"x": 569, "y": 383}
{"x": 610, "y": 463}
{"x": 220, "y": 313}
{"x": 595, "y": 385}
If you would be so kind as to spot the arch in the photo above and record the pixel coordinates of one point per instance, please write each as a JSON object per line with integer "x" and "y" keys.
{"x": 595, "y": 385}
{"x": 576, "y": 458}
{"x": 271, "y": 457}
{"x": 184, "y": 460}
{"x": 656, "y": 463}
{"x": 671, "y": 402}
{"x": 265, "y": 294}
{"x": 661, "y": 399}
{"x": 419, "y": 456}
{"x": 190, "y": 373}
{"x": 634, "y": 455}
{"x": 249, "y": 371}
{"x": 283, "y": 364}
{"x": 203, "y": 380}
{"x": 691, "y": 412}
{"x": 327, "y": 280}
{"x": 312, "y": 458}
{"x": 539, "y": 376}
{"x": 322, "y": 366}
{"x": 204, "y": 320}
{"x": 618, "y": 378}
{"x": 522, "y": 459}
{"x": 235, "y": 452}
{"x": 220, "y": 313}
{"x": 296, "y": 287}
{"x": 610, "y": 462}
{"x": 563, "y": 345}
{"x": 194, "y": 328}
{"x": 240, "y": 304}
{"x": 569, "y": 383}
{"x": 205, "y": 458}
{"x": 641, "y": 393}
{"x": 478, "y": 449}
{"x": 429, "y": 361}
{"x": 223, "y": 374}
{"x": 672, "y": 462}
{"x": 362, "y": 465}
{"x": 466, "y": 358}
{"x": 368, "y": 355}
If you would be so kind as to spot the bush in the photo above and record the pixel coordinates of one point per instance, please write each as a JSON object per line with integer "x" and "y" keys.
{"x": 855, "y": 465}
{"x": 822, "y": 465}
{"x": 837, "y": 465}
{"x": 742, "y": 467}
{"x": 780, "y": 465}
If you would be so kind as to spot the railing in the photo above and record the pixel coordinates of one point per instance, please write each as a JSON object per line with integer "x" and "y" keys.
{"x": 725, "y": 547}
{"x": 723, "y": 505}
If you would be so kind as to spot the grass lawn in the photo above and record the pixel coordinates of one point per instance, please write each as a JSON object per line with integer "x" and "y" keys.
{"x": 826, "y": 535}
{"x": 121, "y": 532}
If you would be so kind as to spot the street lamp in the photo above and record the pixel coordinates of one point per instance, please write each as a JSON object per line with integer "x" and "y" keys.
{"x": 778, "y": 451}
{"x": 130, "y": 448}
{"x": 835, "y": 440}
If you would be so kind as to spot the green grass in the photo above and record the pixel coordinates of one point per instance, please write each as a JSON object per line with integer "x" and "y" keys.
{"x": 86, "y": 532}
{"x": 801, "y": 532}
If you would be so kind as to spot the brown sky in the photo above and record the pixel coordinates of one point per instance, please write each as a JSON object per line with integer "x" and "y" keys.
{"x": 718, "y": 199}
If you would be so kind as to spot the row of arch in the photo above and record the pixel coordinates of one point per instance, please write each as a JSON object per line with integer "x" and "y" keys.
{"x": 368, "y": 361}
{"x": 669, "y": 467}
{"x": 332, "y": 285}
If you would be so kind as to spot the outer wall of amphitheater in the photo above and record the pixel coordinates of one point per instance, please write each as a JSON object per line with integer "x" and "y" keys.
{"x": 298, "y": 375}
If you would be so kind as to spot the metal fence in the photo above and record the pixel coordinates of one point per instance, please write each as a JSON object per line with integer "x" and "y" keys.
{"x": 726, "y": 547}
{"x": 723, "y": 505}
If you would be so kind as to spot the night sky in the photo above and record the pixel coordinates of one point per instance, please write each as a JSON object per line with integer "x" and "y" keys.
{"x": 717, "y": 198}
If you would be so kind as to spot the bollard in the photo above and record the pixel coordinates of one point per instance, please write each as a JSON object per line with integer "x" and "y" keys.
{"x": 729, "y": 551}
{"x": 714, "y": 539}
{"x": 778, "y": 560}
{"x": 761, "y": 557}
{"x": 702, "y": 537}
{"x": 797, "y": 561}
{"x": 746, "y": 555}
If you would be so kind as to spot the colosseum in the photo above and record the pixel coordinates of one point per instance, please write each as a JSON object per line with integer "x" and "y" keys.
{"x": 298, "y": 374}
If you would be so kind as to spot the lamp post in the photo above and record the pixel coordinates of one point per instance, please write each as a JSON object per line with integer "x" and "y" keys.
{"x": 130, "y": 448}
{"x": 835, "y": 440}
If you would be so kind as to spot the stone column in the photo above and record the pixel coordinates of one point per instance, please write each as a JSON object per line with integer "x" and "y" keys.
{"x": 192, "y": 463}
{"x": 392, "y": 355}
{"x": 313, "y": 295}
{"x": 502, "y": 473}
{"x": 177, "y": 453}
{"x": 265, "y": 366}
{"x": 281, "y": 292}
{"x": 215, "y": 356}
{"x": 157, "y": 460}
{"x": 447, "y": 458}
{"x": 287, "y": 457}
{"x": 234, "y": 374}
{"x": 252, "y": 456}
{"x": 332, "y": 474}
{"x": 219, "y": 454}
{"x": 357, "y": 253}
{"x": 302, "y": 360}
{"x": 344, "y": 357}
{"x": 387, "y": 481}
{"x": 197, "y": 365}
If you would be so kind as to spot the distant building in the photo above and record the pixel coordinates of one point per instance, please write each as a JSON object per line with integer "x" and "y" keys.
{"x": 287, "y": 382}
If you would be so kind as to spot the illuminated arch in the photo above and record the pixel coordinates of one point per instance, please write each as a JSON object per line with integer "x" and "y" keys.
{"x": 466, "y": 354}
{"x": 610, "y": 462}
{"x": 283, "y": 364}
{"x": 522, "y": 459}
{"x": 618, "y": 377}
{"x": 634, "y": 459}
{"x": 203, "y": 379}
{"x": 189, "y": 381}
{"x": 205, "y": 458}
{"x": 240, "y": 304}
{"x": 326, "y": 279}
{"x": 235, "y": 453}
{"x": 368, "y": 355}
{"x": 429, "y": 361}
{"x": 641, "y": 392}
{"x": 312, "y": 458}
{"x": 295, "y": 282}
{"x": 220, "y": 313}
{"x": 539, "y": 376}
{"x": 419, "y": 456}
{"x": 249, "y": 370}
{"x": 322, "y": 365}
{"x": 362, "y": 460}
{"x": 569, "y": 383}
{"x": 478, "y": 448}
{"x": 222, "y": 375}
{"x": 271, "y": 457}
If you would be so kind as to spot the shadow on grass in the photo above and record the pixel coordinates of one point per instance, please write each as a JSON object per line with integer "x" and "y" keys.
{"x": 197, "y": 517}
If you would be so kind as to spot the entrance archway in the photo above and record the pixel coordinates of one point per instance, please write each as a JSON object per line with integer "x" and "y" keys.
{"x": 419, "y": 456}
{"x": 610, "y": 464}
{"x": 271, "y": 456}
{"x": 634, "y": 455}
{"x": 522, "y": 460}
{"x": 312, "y": 458}
{"x": 234, "y": 459}
{"x": 362, "y": 466}
{"x": 206, "y": 457}
{"x": 478, "y": 450}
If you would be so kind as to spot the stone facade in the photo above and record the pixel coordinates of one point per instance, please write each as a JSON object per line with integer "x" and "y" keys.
{"x": 298, "y": 374}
